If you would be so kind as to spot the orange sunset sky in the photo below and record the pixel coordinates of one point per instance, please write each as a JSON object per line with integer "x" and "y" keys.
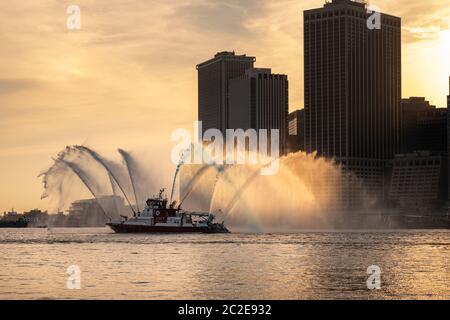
{"x": 128, "y": 77}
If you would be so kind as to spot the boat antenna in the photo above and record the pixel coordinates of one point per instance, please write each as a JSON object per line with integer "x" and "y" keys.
{"x": 161, "y": 193}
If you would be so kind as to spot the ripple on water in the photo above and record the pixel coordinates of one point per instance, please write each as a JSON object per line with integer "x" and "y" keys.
{"x": 306, "y": 265}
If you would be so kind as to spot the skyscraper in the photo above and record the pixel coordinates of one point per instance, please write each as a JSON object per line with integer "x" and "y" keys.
{"x": 418, "y": 175}
{"x": 213, "y": 77}
{"x": 418, "y": 182}
{"x": 352, "y": 88}
{"x": 432, "y": 125}
{"x": 448, "y": 141}
{"x": 424, "y": 127}
{"x": 448, "y": 97}
{"x": 296, "y": 126}
{"x": 260, "y": 100}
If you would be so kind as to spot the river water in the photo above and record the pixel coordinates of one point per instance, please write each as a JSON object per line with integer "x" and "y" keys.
{"x": 302, "y": 265}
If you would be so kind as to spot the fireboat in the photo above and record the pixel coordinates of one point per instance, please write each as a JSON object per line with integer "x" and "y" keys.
{"x": 158, "y": 217}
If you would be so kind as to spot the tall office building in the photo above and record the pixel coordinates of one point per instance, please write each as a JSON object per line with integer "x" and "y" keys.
{"x": 213, "y": 78}
{"x": 353, "y": 88}
{"x": 410, "y": 109}
{"x": 432, "y": 125}
{"x": 296, "y": 139}
{"x": 448, "y": 140}
{"x": 424, "y": 127}
{"x": 448, "y": 97}
{"x": 260, "y": 100}
{"x": 418, "y": 182}
{"x": 418, "y": 175}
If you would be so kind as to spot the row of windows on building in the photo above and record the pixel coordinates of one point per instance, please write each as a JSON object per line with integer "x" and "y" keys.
{"x": 341, "y": 14}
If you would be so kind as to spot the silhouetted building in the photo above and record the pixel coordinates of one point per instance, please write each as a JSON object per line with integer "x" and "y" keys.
{"x": 57, "y": 220}
{"x": 353, "y": 89}
{"x": 448, "y": 140}
{"x": 260, "y": 100}
{"x": 296, "y": 126}
{"x": 11, "y": 216}
{"x": 432, "y": 125}
{"x": 36, "y": 218}
{"x": 448, "y": 97}
{"x": 33, "y": 218}
{"x": 95, "y": 212}
{"x": 12, "y": 219}
{"x": 410, "y": 110}
{"x": 418, "y": 181}
{"x": 86, "y": 213}
{"x": 213, "y": 77}
{"x": 424, "y": 127}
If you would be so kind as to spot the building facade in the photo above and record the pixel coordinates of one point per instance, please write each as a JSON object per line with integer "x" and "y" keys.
{"x": 418, "y": 181}
{"x": 96, "y": 212}
{"x": 213, "y": 78}
{"x": 448, "y": 142}
{"x": 423, "y": 162}
{"x": 410, "y": 110}
{"x": 448, "y": 97}
{"x": 353, "y": 89}
{"x": 424, "y": 127}
{"x": 260, "y": 100}
{"x": 296, "y": 126}
{"x": 432, "y": 127}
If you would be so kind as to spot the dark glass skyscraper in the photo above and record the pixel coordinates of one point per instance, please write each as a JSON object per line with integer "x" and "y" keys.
{"x": 352, "y": 88}
{"x": 424, "y": 127}
{"x": 260, "y": 100}
{"x": 448, "y": 97}
{"x": 448, "y": 140}
{"x": 213, "y": 78}
{"x": 296, "y": 125}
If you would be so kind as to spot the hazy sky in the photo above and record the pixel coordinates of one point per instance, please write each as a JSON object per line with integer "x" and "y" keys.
{"x": 128, "y": 77}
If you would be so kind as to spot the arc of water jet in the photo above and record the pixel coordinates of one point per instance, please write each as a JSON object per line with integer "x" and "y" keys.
{"x": 233, "y": 201}
{"x": 114, "y": 193}
{"x": 45, "y": 174}
{"x": 75, "y": 169}
{"x": 127, "y": 159}
{"x": 173, "y": 188}
{"x": 237, "y": 194}
{"x": 229, "y": 182}
{"x": 194, "y": 181}
{"x": 220, "y": 170}
{"x": 177, "y": 171}
{"x": 99, "y": 159}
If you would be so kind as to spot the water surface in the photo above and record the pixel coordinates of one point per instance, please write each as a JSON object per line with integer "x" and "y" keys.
{"x": 305, "y": 265}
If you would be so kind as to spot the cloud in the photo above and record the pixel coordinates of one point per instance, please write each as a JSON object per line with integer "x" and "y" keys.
{"x": 128, "y": 76}
{"x": 421, "y": 33}
{"x": 421, "y": 20}
{"x": 227, "y": 17}
{"x": 10, "y": 85}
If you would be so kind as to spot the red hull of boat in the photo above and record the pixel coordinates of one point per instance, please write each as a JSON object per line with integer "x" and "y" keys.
{"x": 127, "y": 228}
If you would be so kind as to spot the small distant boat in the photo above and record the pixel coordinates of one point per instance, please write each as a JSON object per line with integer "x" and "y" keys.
{"x": 14, "y": 224}
{"x": 157, "y": 217}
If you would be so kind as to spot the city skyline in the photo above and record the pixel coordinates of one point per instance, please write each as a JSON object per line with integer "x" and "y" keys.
{"x": 105, "y": 83}
{"x": 352, "y": 90}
